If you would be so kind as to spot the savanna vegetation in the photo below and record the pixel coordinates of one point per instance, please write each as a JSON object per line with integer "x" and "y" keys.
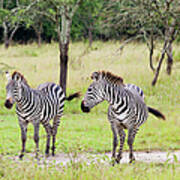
{"x": 64, "y": 41}
{"x": 91, "y": 132}
{"x": 25, "y": 21}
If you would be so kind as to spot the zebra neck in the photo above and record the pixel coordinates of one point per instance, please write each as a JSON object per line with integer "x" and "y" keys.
{"x": 26, "y": 96}
{"x": 112, "y": 93}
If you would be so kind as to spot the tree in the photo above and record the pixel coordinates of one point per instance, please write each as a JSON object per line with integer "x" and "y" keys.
{"x": 150, "y": 20}
{"x": 8, "y": 11}
{"x": 35, "y": 20}
{"x": 88, "y": 17}
{"x": 11, "y": 16}
{"x": 61, "y": 13}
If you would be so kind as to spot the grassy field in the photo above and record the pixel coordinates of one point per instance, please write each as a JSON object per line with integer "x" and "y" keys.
{"x": 91, "y": 132}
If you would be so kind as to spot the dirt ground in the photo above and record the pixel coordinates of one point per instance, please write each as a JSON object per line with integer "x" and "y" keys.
{"x": 64, "y": 159}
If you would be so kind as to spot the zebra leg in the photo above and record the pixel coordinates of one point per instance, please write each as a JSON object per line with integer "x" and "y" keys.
{"x": 131, "y": 136}
{"x": 56, "y": 122}
{"x": 122, "y": 136}
{"x": 23, "y": 126}
{"x": 47, "y": 127}
{"x": 115, "y": 142}
{"x": 36, "y": 137}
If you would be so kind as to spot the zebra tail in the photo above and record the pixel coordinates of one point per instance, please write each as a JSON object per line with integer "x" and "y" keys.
{"x": 156, "y": 113}
{"x": 72, "y": 96}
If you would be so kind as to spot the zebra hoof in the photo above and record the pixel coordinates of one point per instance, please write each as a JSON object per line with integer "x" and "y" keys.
{"x": 21, "y": 156}
{"x": 132, "y": 161}
{"x": 37, "y": 157}
{"x": 115, "y": 161}
{"x": 47, "y": 155}
{"x": 119, "y": 157}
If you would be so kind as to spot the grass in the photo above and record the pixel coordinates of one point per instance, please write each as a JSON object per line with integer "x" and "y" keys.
{"x": 91, "y": 132}
{"x": 25, "y": 170}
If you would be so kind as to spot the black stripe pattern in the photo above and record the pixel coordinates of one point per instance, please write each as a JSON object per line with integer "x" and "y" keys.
{"x": 127, "y": 109}
{"x": 36, "y": 106}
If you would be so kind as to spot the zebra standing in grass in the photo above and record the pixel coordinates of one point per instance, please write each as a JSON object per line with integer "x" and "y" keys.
{"x": 127, "y": 109}
{"x": 36, "y": 106}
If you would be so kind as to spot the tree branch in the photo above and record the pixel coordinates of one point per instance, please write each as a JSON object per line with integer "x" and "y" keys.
{"x": 151, "y": 51}
{"x": 127, "y": 41}
{"x": 13, "y": 32}
{"x": 160, "y": 63}
{"x": 74, "y": 8}
{"x": 47, "y": 15}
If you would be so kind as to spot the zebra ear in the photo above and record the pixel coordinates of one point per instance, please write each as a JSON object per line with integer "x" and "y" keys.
{"x": 8, "y": 76}
{"x": 17, "y": 77}
{"x": 95, "y": 76}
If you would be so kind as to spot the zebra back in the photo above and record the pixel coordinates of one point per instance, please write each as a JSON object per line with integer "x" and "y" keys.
{"x": 135, "y": 89}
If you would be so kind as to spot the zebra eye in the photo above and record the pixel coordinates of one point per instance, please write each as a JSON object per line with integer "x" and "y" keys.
{"x": 89, "y": 89}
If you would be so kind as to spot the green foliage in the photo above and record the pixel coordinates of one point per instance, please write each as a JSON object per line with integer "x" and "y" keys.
{"x": 111, "y": 19}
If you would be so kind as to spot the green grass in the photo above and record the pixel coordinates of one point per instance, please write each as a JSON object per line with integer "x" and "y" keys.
{"x": 91, "y": 132}
{"x": 31, "y": 170}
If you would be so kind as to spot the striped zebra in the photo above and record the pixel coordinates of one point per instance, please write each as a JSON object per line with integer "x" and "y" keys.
{"x": 135, "y": 89}
{"x": 127, "y": 109}
{"x": 36, "y": 106}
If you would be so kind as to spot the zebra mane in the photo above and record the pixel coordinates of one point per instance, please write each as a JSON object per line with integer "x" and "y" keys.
{"x": 111, "y": 78}
{"x": 19, "y": 75}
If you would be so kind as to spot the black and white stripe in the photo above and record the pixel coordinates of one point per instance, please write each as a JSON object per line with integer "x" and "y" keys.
{"x": 135, "y": 89}
{"x": 127, "y": 109}
{"x": 36, "y": 106}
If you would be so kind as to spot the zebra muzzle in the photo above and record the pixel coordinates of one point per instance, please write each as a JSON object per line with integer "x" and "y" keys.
{"x": 8, "y": 104}
{"x": 84, "y": 108}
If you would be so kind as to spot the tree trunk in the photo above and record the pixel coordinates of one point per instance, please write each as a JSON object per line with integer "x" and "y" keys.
{"x": 63, "y": 66}
{"x": 160, "y": 63}
{"x": 90, "y": 36}
{"x": 6, "y": 42}
{"x": 5, "y": 34}
{"x": 169, "y": 59}
{"x": 63, "y": 36}
{"x": 39, "y": 39}
{"x": 151, "y": 51}
{"x": 169, "y": 52}
{"x": 38, "y": 31}
{"x": 8, "y": 39}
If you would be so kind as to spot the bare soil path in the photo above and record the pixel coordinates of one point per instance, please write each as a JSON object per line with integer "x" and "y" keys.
{"x": 64, "y": 159}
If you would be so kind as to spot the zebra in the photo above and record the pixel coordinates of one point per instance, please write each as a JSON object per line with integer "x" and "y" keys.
{"x": 36, "y": 106}
{"x": 127, "y": 109}
{"x": 135, "y": 89}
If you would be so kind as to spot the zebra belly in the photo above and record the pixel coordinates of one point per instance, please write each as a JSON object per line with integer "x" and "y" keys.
{"x": 124, "y": 119}
{"x": 120, "y": 117}
{"x": 28, "y": 118}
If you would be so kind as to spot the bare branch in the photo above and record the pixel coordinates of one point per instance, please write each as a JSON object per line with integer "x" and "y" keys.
{"x": 13, "y": 32}
{"x": 127, "y": 41}
{"x": 17, "y": 2}
{"x": 160, "y": 63}
{"x": 2, "y": 4}
{"x": 75, "y": 8}
{"x": 53, "y": 18}
{"x": 151, "y": 51}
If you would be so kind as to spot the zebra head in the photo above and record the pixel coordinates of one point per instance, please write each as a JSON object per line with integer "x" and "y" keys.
{"x": 13, "y": 89}
{"x": 93, "y": 94}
